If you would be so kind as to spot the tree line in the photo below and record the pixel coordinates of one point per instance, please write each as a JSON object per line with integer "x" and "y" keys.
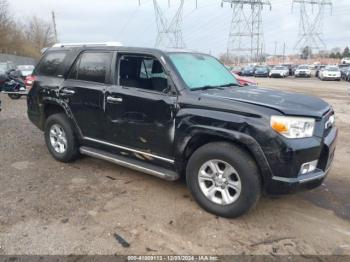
{"x": 23, "y": 38}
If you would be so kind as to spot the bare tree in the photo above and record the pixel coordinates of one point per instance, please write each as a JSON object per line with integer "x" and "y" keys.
{"x": 39, "y": 34}
{"x": 5, "y": 24}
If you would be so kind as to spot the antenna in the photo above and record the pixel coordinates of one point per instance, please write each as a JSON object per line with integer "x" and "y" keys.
{"x": 311, "y": 23}
{"x": 246, "y": 34}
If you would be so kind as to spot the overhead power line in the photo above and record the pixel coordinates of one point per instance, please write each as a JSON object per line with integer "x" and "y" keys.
{"x": 312, "y": 13}
{"x": 169, "y": 30}
{"x": 246, "y": 36}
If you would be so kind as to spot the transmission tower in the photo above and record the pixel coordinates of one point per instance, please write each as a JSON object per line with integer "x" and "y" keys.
{"x": 312, "y": 14}
{"x": 169, "y": 31}
{"x": 246, "y": 36}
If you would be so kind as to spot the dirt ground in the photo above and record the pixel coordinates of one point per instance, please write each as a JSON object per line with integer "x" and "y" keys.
{"x": 47, "y": 207}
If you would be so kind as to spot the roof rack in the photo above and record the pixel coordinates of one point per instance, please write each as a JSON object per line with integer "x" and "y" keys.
{"x": 87, "y": 44}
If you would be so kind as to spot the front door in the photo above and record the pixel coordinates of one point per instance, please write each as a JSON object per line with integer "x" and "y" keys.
{"x": 141, "y": 109}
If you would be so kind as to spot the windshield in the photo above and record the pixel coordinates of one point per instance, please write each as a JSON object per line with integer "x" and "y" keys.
{"x": 280, "y": 68}
{"x": 303, "y": 67}
{"x": 25, "y": 68}
{"x": 202, "y": 71}
{"x": 332, "y": 69}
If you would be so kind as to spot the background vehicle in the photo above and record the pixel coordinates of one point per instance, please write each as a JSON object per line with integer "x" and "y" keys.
{"x": 279, "y": 71}
{"x": 237, "y": 70}
{"x": 318, "y": 69}
{"x": 290, "y": 68}
{"x": 164, "y": 113}
{"x": 248, "y": 71}
{"x": 330, "y": 73}
{"x": 6, "y": 66}
{"x": 345, "y": 60}
{"x": 25, "y": 70}
{"x": 14, "y": 85}
{"x": 262, "y": 71}
{"x": 346, "y": 75}
{"x": 303, "y": 71}
{"x": 245, "y": 81}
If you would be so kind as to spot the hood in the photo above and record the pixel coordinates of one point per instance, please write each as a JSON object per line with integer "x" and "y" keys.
{"x": 278, "y": 70}
{"x": 286, "y": 102}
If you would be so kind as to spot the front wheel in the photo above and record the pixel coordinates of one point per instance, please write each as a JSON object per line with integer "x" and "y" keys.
{"x": 14, "y": 96}
{"x": 224, "y": 179}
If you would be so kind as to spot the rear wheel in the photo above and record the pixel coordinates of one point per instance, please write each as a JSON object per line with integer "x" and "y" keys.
{"x": 224, "y": 179}
{"x": 14, "y": 96}
{"x": 60, "y": 138}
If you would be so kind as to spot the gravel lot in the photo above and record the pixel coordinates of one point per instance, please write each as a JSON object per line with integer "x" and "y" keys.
{"x": 47, "y": 207}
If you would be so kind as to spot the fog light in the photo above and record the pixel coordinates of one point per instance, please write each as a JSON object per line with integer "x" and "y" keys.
{"x": 308, "y": 167}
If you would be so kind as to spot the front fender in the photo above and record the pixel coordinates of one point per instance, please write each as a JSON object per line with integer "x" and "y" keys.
{"x": 218, "y": 133}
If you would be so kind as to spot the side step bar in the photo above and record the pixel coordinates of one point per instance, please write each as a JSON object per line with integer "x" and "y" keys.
{"x": 131, "y": 163}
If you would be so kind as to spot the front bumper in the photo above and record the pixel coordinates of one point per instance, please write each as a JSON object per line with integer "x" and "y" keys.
{"x": 280, "y": 185}
{"x": 277, "y": 75}
{"x": 331, "y": 77}
{"x": 302, "y": 74}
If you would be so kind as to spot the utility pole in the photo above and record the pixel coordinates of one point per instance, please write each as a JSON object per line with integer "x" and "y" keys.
{"x": 284, "y": 52}
{"x": 311, "y": 24}
{"x": 246, "y": 33}
{"x": 169, "y": 33}
{"x": 54, "y": 25}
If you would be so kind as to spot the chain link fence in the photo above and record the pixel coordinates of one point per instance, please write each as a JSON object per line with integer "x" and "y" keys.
{"x": 17, "y": 60}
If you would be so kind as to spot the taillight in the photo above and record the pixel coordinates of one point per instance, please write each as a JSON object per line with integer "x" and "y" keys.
{"x": 29, "y": 82}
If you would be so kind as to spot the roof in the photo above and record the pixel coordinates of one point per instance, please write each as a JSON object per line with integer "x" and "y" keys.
{"x": 119, "y": 46}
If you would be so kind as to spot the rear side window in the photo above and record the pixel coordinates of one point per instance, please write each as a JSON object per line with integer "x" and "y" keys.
{"x": 50, "y": 65}
{"x": 92, "y": 67}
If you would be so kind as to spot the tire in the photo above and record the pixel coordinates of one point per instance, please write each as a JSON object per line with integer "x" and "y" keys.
{"x": 59, "y": 124}
{"x": 247, "y": 175}
{"x": 14, "y": 96}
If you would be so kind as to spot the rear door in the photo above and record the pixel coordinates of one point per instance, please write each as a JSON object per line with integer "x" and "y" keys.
{"x": 84, "y": 90}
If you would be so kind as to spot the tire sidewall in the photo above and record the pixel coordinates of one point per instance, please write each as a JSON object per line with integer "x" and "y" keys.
{"x": 71, "y": 151}
{"x": 244, "y": 165}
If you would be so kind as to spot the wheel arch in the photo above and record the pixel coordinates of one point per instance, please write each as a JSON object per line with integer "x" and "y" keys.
{"x": 51, "y": 107}
{"x": 200, "y": 136}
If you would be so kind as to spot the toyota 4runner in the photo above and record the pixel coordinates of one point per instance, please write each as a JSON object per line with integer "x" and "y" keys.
{"x": 177, "y": 113}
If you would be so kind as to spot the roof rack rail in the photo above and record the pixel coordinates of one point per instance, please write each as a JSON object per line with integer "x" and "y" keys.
{"x": 87, "y": 44}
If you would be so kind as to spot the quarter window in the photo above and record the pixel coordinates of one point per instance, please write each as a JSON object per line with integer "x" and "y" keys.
{"x": 51, "y": 64}
{"x": 92, "y": 67}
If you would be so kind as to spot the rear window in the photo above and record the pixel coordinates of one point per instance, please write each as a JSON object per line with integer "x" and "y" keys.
{"x": 50, "y": 65}
{"x": 92, "y": 67}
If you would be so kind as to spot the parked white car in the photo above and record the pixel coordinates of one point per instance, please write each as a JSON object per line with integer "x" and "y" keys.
{"x": 330, "y": 73}
{"x": 303, "y": 71}
{"x": 345, "y": 60}
{"x": 279, "y": 71}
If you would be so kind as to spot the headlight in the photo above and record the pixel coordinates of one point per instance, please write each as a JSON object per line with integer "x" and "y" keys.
{"x": 293, "y": 127}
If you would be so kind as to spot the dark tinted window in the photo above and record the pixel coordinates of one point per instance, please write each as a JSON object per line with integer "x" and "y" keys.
{"x": 92, "y": 67}
{"x": 50, "y": 64}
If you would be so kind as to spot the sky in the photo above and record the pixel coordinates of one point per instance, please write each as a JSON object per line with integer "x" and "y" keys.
{"x": 205, "y": 28}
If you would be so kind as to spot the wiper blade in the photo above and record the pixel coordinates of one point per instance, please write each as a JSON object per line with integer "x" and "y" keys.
{"x": 221, "y": 87}
{"x": 231, "y": 84}
{"x": 208, "y": 87}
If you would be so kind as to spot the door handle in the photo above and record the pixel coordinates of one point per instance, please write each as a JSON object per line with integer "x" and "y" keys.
{"x": 68, "y": 92}
{"x": 111, "y": 99}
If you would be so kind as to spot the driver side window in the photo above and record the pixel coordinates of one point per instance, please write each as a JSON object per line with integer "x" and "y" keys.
{"x": 143, "y": 73}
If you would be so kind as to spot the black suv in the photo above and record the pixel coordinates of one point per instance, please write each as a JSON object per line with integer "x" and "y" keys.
{"x": 177, "y": 113}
